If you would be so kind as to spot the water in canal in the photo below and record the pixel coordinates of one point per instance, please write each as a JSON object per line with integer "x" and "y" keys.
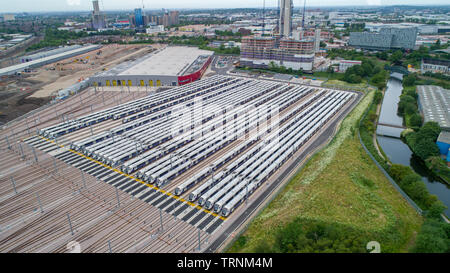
{"x": 399, "y": 153}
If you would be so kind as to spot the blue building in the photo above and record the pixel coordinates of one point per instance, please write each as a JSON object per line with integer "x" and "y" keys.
{"x": 443, "y": 143}
{"x": 139, "y": 17}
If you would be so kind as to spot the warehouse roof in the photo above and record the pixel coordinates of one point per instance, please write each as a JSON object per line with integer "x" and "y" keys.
{"x": 435, "y": 104}
{"x": 20, "y": 67}
{"x": 171, "y": 61}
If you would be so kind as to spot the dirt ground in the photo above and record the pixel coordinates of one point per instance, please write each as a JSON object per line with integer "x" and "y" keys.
{"x": 14, "y": 100}
{"x": 70, "y": 71}
{"x": 21, "y": 94}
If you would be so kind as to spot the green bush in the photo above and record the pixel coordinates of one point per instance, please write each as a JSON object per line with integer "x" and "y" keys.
{"x": 415, "y": 120}
{"x": 398, "y": 172}
{"x": 409, "y": 80}
{"x": 302, "y": 235}
{"x": 406, "y": 105}
{"x": 423, "y": 142}
{"x": 433, "y": 237}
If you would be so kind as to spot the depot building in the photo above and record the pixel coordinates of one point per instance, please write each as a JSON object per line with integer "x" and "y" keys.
{"x": 170, "y": 66}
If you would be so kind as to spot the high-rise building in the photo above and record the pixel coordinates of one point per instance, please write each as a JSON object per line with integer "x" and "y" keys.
{"x": 139, "y": 17}
{"x": 98, "y": 19}
{"x": 174, "y": 17}
{"x": 146, "y": 20}
{"x": 261, "y": 52}
{"x": 317, "y": 40}
{"x": 286, "y": 10}
{"x": 166, "y": 20}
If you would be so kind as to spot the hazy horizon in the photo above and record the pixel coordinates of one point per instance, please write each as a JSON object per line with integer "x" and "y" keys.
{"x": 114, "y": 5}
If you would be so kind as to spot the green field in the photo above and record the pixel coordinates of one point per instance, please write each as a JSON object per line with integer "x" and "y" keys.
{"x": 337, "y": 203}
{"x": 363, "y": 84}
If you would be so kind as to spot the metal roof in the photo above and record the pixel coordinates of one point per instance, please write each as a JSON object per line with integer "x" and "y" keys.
{"x": 435, "y": 104}
{"x": 20, "y": 67}
{"x": 171, "y": 61}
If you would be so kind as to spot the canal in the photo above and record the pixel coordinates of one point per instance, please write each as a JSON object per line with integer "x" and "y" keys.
{"x": 398, "y": 152}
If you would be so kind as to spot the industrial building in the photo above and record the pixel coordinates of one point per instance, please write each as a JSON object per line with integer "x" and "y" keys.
{"x": 40, "y": 55}
{"x": 387, "y": 38}
{"x": 11, "y": 70}
{"x": 435, "y": 66}
{"x": 434, "y": 103}
{"x": 170, "y": 66}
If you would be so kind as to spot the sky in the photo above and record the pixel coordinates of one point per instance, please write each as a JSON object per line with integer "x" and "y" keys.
{"x": 78, "y": 5}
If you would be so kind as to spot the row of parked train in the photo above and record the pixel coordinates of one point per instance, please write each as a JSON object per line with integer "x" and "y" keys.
{"x": 130, "y": 108}
{"x": 226, "y": 190}
{"x": 163, "y": 136}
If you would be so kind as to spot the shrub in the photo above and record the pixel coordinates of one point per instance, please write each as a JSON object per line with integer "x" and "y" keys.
{"x": 433, "y": 238}
{"x": 415, "y": 120}
{"x": 398, "y": 172}
{"x": 409, "y": 80}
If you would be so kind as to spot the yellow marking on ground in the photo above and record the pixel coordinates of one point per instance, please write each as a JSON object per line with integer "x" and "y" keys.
{"x": 140, "y": 181}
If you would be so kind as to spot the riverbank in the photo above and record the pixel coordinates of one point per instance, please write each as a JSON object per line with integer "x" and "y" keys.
{"x": 397, "y": 152}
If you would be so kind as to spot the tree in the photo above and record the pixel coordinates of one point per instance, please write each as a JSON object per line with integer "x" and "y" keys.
{"x": 273, "y": 65}
{"x": 396, "y": 57}
{"x": 425, "y": 148}
{"x": 433, "y": 238}
{"x": 415, "y": 120}
{"x": 367, "y": 68}
{"x": 406, "y": 105}
{"x": 378, "y": 96}
{"x": 383, "y": 55}
{"x": 409, "y": 80}
{"x": 410, "y": 108}
{"x": 430, "y": 130}
{"x": 398, "y": 171}
{"x": 409, "y": 179}
{"x": 436, "y": 209}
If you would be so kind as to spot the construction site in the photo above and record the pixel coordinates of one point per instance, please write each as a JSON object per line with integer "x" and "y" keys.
{"x": 30, "y": 88}
{"x": 139, "y": 170}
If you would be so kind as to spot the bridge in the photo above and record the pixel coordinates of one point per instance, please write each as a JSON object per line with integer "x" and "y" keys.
{"x": 391, "y": 125}
{"x": 397, "y": 68}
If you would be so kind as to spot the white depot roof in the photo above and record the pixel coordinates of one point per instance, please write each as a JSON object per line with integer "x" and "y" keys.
{"x": 171, "y": 61}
